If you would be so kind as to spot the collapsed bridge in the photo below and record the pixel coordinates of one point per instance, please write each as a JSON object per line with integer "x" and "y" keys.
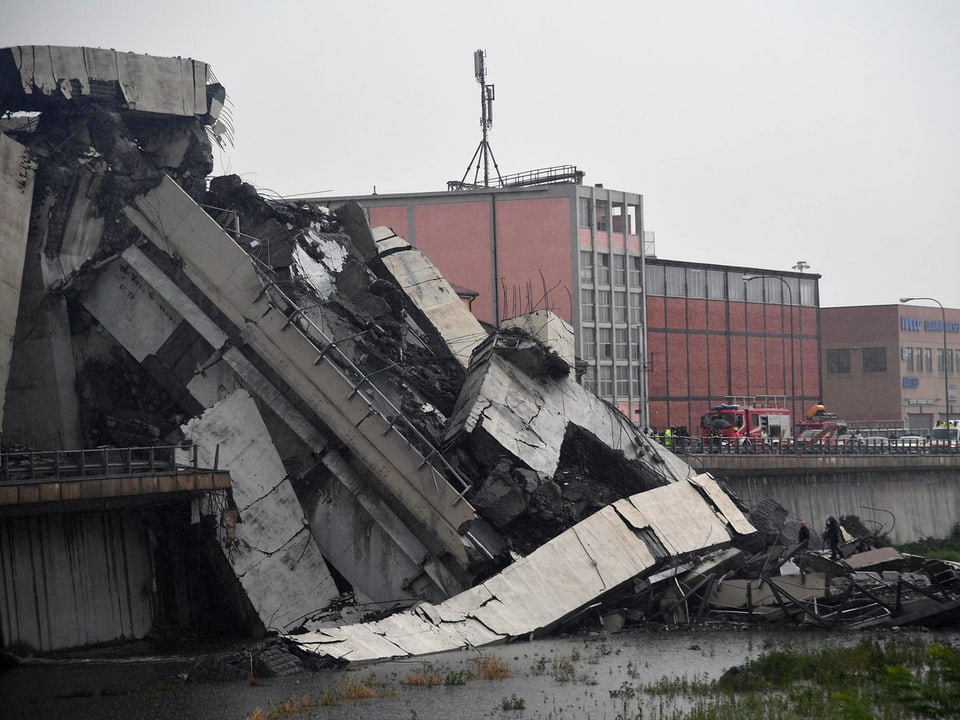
{"x": 378, "y": 442}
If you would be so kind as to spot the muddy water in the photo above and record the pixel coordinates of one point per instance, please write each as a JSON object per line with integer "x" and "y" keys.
{"x": 556, "y": 679}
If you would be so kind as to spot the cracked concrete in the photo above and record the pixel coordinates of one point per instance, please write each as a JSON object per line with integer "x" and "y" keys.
{"x": 368, "y": 423}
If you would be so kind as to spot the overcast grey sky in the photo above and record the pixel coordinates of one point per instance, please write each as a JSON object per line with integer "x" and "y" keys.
{"x": 759, "y": 133}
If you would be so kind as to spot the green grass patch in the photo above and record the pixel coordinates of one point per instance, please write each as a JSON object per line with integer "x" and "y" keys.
{"x": 897, "y": 680}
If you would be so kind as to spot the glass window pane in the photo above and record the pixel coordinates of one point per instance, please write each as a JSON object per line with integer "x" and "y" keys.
{"x": 674, "y": 281}
{"x": 715, "y": 289}
{"x": 655, "y": 280}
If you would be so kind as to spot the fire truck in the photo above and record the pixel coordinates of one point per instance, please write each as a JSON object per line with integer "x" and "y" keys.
{"x": 818, "y": 424}
{"x": 740, "y": 420}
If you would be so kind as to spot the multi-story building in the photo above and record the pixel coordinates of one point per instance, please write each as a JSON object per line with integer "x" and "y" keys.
{"x": 892, "y": 365}
{"x": 581, "y": 251}
{"x": 716, "y": 331}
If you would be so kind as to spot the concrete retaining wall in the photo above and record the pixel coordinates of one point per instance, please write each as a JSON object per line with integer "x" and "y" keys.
{"x": 924, "y": 502}
{"x": 74, "y": 579}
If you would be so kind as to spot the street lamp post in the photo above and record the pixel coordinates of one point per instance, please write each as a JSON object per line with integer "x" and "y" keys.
{"x": 793, "y": 374}
{"x": 943, "y": 320}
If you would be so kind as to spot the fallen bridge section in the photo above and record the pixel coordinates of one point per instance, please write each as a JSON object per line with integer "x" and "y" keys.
{"x": 559, "y": 581}
{"x": 416, "y": 476}
{"x": 16, "y": 196}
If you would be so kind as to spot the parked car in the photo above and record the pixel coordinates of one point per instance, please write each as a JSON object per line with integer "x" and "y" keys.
{"x": 910, "y": 444}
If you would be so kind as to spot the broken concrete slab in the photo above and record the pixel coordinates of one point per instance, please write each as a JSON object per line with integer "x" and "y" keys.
{"x": 553, "y": 331}
{"x": 358, "y": 531}
{"x": 309, "y": 364}
{"x": 432, "y": 300}
{"x": 16, "y": 196}
{"x": 574, "y": 571}
{"x": 501, "y": 407}
{"x": 271, "y": 549}
{"x": 47, "y": 75}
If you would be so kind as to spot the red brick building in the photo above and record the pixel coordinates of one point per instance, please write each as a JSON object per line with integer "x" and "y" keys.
{"x": 885, "y": 365}
{"x": 715, "y": 331}
{"x": 582, "y": 252}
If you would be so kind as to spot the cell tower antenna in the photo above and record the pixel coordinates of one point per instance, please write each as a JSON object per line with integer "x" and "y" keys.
{"x": 484, "y": 153}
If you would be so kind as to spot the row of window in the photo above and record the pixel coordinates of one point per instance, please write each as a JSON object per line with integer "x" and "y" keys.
{"x": 606, "y": 216}
{"x": 921, "y": 359}
{"x": 611, "y": 306}
{"x": 729, "y": 285}
{"x": 873, "y": 359}
{"x": 603, "y": 380}
{"x": 602, "y": 273}
{"x": 611, "y": 343}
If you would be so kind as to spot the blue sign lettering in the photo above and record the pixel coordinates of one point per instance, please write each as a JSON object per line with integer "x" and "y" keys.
{"x": 911, "y": 381}
{"x": 915, "y": 324}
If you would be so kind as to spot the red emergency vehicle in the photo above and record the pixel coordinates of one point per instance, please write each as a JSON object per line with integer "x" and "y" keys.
{"x": 754, "y": 418}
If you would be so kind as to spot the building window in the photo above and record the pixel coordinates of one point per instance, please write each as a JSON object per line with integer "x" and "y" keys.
{"x": 623, "y": 381}
{"x": 655, "y": 282}
{"x": 927, "y": 360}
{"x": 875, "y": 359}
{"x": 808, "y": 293}
{"x": 773, "y": 290}
{"x": 589, "y": 344}
{"x": 590, "y": 380}
{"x": 586, "y": 267}
{"x": 602, "y": 210}
{"x": 636, "y": 308}
{"x": 838, "y": 362}
{"x": 585, "y": 214}
{"x": 620, "y": 270}
{"x": 621, "y": 335}
{"x": 736, "y": 287}
{"x": 603, "y": 305}
{"x": 940, "y": 360}
{"x": 619, "y": 306}
{"x": 636, "y": 271}
{"x": 616, "y": 220}
{"x": 632, "y": 213}
{"x": 605, "y": 381}
{"x": 606, "y": 343}
{"x": 908, "y": 357}
{"x": 635, "y": 380}
{"x": 603, "y": 268}
{"x": 674, "y": 282}
{"x": 635, "y": 342}
{"x": 753, "y": 289}
{"x": 715, "y": 280}
{"x": 696, "y": 284}
{"x": 587, "y": 306}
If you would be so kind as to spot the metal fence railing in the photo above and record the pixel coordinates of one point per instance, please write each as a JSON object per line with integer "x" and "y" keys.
{"x": 56, "y": 465}
{"x": 792, "y": 446}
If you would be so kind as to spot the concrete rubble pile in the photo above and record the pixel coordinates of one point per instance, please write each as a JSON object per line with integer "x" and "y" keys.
{"x": 385, "y": 452}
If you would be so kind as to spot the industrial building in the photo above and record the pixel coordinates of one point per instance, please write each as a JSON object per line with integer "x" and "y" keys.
{"x": 892, "y": 366}
{"x": 543, "y": 240}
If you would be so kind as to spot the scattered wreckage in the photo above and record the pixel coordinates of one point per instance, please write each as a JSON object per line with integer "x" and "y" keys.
{"x": 382, "y": 445}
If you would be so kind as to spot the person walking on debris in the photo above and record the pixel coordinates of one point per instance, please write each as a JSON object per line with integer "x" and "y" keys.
{"x": 831, "y": 536}
{"x": 803, "y": 535}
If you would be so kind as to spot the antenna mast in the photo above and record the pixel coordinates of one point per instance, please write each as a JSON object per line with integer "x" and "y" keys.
{"x": 483, "y": 152}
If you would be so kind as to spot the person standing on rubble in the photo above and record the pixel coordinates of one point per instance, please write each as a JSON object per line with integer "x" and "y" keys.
{"x": 803, "y": 535}
{"x": 831, "y": 536}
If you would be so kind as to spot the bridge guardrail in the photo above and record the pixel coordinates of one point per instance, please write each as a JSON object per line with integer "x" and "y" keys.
{"x": 793, "y": 446}
{"x": 55, "y": 465}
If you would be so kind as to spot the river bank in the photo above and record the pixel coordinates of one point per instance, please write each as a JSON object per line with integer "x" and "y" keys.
{"x": 588, "y": 675}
